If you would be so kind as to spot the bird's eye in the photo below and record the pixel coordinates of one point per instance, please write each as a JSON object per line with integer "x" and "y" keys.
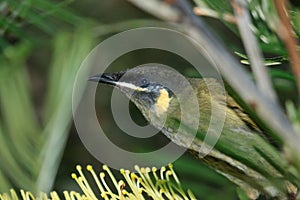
{"x": 143, "y": 82}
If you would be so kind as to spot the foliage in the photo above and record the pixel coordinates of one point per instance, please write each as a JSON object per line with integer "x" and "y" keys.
{"x": 33, "y": 135}
{"x": 31, "y": 146}
{"x": 40, "y": 14}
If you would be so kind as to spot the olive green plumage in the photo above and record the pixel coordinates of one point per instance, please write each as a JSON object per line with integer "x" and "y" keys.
{"x": 240, "y": 154}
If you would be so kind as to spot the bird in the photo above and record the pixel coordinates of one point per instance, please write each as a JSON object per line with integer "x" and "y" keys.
{"x": 250, "y": 168}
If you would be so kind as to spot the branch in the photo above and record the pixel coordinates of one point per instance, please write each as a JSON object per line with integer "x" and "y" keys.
{"x": 158, "y": 9}
{"x": 285, "y": 32}
{"x": 251, "y": 45}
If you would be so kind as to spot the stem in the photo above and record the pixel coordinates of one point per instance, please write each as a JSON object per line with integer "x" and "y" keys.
{"x": 251, "y": 45}
{"x": 285, "y": 32}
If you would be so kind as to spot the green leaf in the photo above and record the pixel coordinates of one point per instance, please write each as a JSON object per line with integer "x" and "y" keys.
{"x": 19, "y": 126}
{"x": 69, "y": 51}
{"x": 30, "y": 151}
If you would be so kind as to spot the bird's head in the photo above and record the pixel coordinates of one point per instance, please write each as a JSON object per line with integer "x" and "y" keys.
{"x": 142, "y": 86}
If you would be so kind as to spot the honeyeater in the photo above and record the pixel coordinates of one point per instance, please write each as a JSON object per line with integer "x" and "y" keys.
{"x": 241, "y": 153}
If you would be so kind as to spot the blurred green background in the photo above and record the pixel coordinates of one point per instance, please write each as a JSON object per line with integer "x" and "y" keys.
{"x": 42, "y": 46}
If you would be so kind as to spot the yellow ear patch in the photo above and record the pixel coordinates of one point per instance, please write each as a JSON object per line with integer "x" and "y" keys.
{"x": 162, "y": 103}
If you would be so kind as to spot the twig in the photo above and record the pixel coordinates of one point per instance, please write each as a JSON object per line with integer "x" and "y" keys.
{"x": 251, "y": 45}
{"x": 158, "y": 9}
{"x": 285, "y": 32}
{"x": 211, "y": 13}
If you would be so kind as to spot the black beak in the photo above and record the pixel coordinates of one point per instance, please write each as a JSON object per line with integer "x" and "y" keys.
{"x": 107, "y": 78}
